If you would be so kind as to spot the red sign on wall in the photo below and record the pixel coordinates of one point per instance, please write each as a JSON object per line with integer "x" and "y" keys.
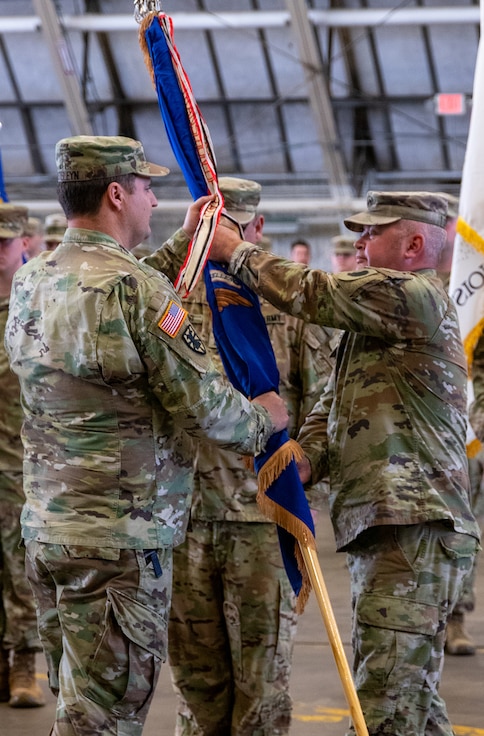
{"x": 450, "y": 104}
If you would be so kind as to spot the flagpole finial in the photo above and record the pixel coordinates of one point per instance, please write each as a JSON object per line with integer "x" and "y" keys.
{"x": 142, "y": 8}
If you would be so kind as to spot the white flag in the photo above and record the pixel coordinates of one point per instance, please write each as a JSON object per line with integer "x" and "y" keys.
{"x": 467, "y": 273}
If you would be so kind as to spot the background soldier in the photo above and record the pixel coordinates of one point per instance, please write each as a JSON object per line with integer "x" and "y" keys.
{"x": 55, "y": 226}
{"x": 34, "y": 238}
{"x": 343, "y": 253}
{"x": 19, "y": 640}
{"x": 301, "y": 251}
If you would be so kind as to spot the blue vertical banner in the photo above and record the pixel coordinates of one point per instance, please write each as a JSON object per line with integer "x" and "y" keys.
{"x": 3, "y": 192}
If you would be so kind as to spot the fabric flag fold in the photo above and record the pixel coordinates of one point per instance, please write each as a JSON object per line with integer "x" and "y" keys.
{"x": 239, "y": 327}
{"x": 467, "y": 273}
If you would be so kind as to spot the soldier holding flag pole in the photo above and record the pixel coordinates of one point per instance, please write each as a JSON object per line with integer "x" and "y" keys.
{"x": 390, "y": 432}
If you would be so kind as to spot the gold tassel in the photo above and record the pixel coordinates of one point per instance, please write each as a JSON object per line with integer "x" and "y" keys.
{"x": 144, "y": 25}
{"x": 278, "y": 462}
{"x": 271, "y": 470}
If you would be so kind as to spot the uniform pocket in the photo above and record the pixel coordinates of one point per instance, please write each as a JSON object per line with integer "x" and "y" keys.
{"x": 395, "y": 639}
{"x": 457, "y": 545}
{"x": 399, "y": 614}
{"x": 123, "y": 671}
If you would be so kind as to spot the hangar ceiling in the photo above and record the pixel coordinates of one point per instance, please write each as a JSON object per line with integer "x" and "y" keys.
{"x": 320, "y": 100}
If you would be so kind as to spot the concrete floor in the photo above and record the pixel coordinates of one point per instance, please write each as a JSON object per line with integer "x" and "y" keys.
{"x": 320, "y": 706}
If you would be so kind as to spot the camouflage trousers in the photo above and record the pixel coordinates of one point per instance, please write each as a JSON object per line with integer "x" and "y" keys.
{"x": 231, "y": 632}
{"x": 18, "y": 619}
{"x": 405, "y": 580}
{"x": 103, "y": 625}
{"x": 467, "y": 598}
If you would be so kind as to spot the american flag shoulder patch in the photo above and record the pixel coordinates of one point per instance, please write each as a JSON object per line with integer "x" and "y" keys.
{"x": 172, "y": 319}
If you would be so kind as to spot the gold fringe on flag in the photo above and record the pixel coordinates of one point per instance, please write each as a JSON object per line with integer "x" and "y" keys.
{"x": 269, "y": 472}
{"x": 143, "y": 27}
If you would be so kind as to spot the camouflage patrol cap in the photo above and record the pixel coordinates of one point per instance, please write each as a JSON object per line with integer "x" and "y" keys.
{"x": 452, "y": 204}
{"x": 242, "y": 197}
{"x": 343, "y": 245}
{"x": 33, "y": 227}
{"x": 13, "y": 220}
{"x": 86, "y": 157}
{"x": 387, "y": 207}
{"x": 55, "y": 227}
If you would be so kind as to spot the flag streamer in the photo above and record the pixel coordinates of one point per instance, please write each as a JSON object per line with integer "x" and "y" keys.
{"x": 238, "y": 325}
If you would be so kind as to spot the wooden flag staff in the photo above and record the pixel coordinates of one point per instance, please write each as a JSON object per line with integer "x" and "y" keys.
{"x": 317, "y": 581}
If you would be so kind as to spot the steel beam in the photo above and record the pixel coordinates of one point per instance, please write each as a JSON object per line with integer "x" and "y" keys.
{"x": 64, "y": 67}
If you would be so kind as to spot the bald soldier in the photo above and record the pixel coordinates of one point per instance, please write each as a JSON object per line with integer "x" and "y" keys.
{"x": 114, "y": 381}
{"x": 390, "y": 432}
{"x": 233, "y": 619}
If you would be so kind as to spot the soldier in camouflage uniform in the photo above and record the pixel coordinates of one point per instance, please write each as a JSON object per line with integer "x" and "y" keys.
{"x": 233, "y": 618}
{"x": 114, "y": 381}
{"x": 390, "y": 431}
{"x": 19, "y": 639}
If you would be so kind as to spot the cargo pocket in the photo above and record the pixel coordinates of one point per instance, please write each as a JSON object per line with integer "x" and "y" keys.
{"x": 123, "y": 670}
{"x": 395, "y": 640}
{"x": 458, "y": 546}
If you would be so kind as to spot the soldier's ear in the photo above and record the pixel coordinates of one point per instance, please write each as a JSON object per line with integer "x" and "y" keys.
{"x": 415, "y": 246}
{"x": 115, "y": 195}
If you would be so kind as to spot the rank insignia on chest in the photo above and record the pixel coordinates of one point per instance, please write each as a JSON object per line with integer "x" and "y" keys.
{"x": 193, "y": 341}
{"x": 172, "y": 319}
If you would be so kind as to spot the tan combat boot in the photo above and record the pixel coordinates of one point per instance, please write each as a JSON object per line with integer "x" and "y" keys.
{"x": 458, "y": 640}
{"x": 4, "y": 672}
{"x": 24, "y": 688}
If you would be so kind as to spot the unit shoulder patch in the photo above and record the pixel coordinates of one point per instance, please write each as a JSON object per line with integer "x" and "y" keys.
{"x": 193, "y": 341}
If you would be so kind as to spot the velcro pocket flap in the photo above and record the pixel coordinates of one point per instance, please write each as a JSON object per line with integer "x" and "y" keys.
{"x": 398, "y": 614}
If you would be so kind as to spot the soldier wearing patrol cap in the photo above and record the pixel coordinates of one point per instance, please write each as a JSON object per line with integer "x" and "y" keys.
{"x": 343, "y": 253}
{"x": 19, "y": 640}
{"x": 390, "y": 431}
{"x": 55, "y": 226}
{"x": 230, "y": 655}
{"x": 241, "y": 198}
{"x": 114, "y": 380}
